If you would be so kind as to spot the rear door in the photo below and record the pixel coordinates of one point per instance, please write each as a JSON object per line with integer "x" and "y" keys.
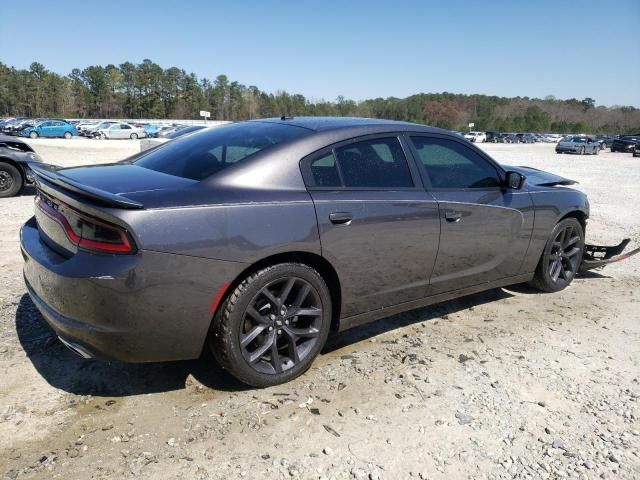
{"x": 378, "y": 226}
{"x": 485, "y": 228}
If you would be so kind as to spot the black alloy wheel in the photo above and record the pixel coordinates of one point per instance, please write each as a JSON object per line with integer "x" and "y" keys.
{"x": 272, "y": 325}
{"x": 561, "y": 257}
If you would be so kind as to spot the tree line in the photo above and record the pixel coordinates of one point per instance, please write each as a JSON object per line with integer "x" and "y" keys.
{"x": 146, "y": 90}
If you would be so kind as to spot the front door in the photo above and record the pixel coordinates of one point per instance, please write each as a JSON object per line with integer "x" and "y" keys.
{"x": 485, "y": 228}
{"x": 378, "y": 226}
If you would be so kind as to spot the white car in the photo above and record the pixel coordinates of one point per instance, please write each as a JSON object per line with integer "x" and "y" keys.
{"x": 476, "y": 137}
{"x": 120, "y": 130}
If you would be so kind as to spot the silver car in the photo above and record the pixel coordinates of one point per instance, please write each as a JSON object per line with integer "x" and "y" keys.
{"x": 119, "y": 131}
{"x": 580, "y": 145}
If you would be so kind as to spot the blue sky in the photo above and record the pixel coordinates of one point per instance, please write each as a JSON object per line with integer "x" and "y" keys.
{"x": 359, "y": 49}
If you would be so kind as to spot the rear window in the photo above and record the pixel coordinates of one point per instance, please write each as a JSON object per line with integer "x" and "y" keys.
{"x": 205, "y": 153}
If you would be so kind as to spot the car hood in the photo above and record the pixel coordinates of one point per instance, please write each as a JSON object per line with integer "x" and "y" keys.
{"x": 540, "y": 178}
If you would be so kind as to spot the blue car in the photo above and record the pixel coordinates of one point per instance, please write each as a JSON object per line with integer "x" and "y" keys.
{"x": 50, "y": 128}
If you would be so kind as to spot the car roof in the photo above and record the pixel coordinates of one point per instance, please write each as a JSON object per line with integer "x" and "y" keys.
{"x": 323, "y": 124}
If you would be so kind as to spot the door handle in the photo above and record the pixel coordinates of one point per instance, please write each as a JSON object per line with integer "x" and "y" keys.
{"x": 453, "y": 217}
{"x": 340, "y": 218}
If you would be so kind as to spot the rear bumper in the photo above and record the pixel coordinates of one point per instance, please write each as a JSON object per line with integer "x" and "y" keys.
{"x": 133, "y": 308}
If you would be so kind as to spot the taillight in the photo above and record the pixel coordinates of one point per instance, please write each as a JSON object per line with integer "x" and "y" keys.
{"x": 86, "y": 231}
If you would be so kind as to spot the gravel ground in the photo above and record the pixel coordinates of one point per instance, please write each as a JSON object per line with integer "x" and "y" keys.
{"x": 508, "y": 383}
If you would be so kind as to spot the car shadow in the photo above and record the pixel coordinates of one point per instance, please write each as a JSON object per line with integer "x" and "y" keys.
{"x": 27, "y": 191}
{"x": 429, "y": 313}
{"x": 65, "y": 370}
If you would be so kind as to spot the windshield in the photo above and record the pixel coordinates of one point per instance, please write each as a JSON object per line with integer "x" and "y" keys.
{"x": 205, "y": 153}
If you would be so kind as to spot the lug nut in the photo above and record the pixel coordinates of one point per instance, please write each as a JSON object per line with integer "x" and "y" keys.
{"x": 286, "y": 322}
{"x": 279, "y": 332}
{"x": 272, "y": 317}
{"x": 270, "y": 328}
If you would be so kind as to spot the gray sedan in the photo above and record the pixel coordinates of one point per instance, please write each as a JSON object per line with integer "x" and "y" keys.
{"x": 580, "y": 145}
{"x": 258, "y": 238}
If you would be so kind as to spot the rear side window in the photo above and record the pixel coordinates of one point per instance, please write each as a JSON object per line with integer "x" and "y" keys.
{"x": 325, "y": 171}
{"x": 452, "y": 165}
{"x": 376, "y": 163}
{"x": 205, "y": 153}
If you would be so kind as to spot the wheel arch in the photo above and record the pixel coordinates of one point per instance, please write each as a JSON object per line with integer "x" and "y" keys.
{"x": 578, "y": 215}
{"x": 16, "y": 165}
{"x": 313, "y": 260}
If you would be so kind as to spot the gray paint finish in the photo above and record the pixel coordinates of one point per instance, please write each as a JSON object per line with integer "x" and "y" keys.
{"x": 399, "y": 250}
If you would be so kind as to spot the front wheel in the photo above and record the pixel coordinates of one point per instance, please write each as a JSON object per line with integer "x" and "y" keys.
{"x": 33, "y": 134}
{"x": 67, "y": 135}
{"x": 272, "y": 325}
{"x": 596, "y": 151}
{"x": 582, "y": 151}
{"x": 10, "y": 180}
{"x": 561, "y": 257}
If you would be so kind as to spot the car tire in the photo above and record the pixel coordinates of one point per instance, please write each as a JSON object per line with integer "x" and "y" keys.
{"x": 596, "y": 151}
{"x": 561, "y": 257}
{"x": 133, "y": 136}
{"x": 10, "y": 180}
{"x": 33, "y": 135}
{"x": 67, "y": 135}
{"x": 254, "y": 316}
{"x": 582, "y": 150}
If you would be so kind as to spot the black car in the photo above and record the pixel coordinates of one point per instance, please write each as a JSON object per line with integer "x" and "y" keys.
{"x": 605, "y": 140}
{"x": 627, "y": 143}
{"x": 14, "y": 168}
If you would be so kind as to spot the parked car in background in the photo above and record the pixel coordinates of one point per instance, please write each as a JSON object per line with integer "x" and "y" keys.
{"x": 13, "y": 127}
{"x": 605, "y": 140}
{"x": 279, "y": 250}
{"x": 91, "y": 132}
{"x": 525, "y": 138}
{"x": 51, "y": 129}
{"x": 119, "y": 130}
{"x": 152, "y": 128}
{"x": 578, "y": 144}
{"x": 626, "y": 143}
{"x": 84, "y": 126}
{"x": 15, "y": 172}
{"x": 476, "y": 137}
{"x": 148, "y": 143}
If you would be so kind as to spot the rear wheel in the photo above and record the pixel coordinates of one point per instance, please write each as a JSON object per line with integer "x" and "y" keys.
{"x": 561, "y": 257}
{"x": 272, "y": 325}
{"x": 133, "y": 136}
{"x": 10, "y": 180}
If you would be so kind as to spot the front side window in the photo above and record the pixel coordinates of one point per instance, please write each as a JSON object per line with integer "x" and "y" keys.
{"x": 207, "y": 152}
{"x": 452, "y": 165}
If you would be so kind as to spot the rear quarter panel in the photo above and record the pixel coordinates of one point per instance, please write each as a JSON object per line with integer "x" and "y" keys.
{"x": 238, "y": 232}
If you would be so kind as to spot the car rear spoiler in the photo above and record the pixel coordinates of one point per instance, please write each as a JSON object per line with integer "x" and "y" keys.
{"x": 596, "y": 256}
{"x": 48, "y": 173}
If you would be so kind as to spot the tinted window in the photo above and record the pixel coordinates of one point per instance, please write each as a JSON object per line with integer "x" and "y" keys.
{"x": 325, "y": 171}
{"x": 378, "y": 163}
{"x": 184, "y": 131}
{"x": 451, "y": 165}
{"x": 205, "y": 153}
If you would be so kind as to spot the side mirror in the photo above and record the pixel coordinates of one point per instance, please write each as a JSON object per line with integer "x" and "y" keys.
{"x": 514, "y": 180}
